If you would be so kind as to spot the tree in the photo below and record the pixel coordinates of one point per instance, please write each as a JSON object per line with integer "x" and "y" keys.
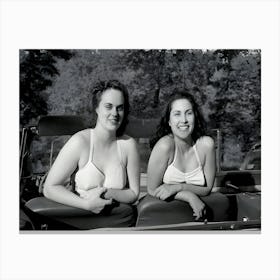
{"x": 225, "y": 83}
{"x": 236, "y": 104}
{"x": 37, "y": 70}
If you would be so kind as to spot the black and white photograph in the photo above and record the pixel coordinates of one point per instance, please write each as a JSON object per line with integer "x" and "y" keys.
{"x": 160, "y": 139}
{"x": 139, "y": 139}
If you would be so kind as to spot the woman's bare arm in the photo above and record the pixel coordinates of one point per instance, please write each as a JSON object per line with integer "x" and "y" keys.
{"x": 158, "y": 163}
{"x": 64, "y": 165}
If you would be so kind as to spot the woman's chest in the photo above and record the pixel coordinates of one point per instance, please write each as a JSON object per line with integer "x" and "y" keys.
{"x": 189, "y": 162}
{"x": 105, "y": 159}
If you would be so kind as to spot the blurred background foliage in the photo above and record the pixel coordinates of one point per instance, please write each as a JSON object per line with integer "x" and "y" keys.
{"x": 225, "y": 83}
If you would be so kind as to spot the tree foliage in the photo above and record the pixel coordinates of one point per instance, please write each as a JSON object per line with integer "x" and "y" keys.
{"x": 225, "y": 83}
{"x": 37, "y": 71}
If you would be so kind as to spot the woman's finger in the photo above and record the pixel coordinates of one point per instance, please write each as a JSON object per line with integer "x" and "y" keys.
{"x": 160, "y": 193}
{"x": 196, "y": 216}
{"x": 97, "y": 210}
{"x": 156, "y": 193}
{"x": 107, "y": 201}
{"x": 157, "y": 190}
{"x": 101, "y": 190}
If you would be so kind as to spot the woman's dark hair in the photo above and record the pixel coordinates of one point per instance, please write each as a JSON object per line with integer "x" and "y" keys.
{"x": 98, "y": 91}
{"x": 164, "y": 128}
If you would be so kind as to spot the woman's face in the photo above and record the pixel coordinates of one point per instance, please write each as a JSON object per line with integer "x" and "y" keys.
{"x": 181, "y": 119}
{"x": 110, "y": 110}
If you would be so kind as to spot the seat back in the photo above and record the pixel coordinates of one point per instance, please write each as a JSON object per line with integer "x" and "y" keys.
{"x": 60, "y": 125}
{"x": 53, "y": 132}
{"x": 142, "y": 128}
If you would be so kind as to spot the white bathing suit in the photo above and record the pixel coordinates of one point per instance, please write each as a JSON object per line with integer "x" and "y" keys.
{"x": 173, "y": 175}
{"x": 90, "y": 176}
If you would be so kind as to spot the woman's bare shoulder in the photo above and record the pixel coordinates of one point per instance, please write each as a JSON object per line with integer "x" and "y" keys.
{"x": 165, "y": 144}
{"x": 80, "y": 138}
{"x": 206, "y": 143}
{"x": 126, "y": 137}
{"x": 127, "y": 141}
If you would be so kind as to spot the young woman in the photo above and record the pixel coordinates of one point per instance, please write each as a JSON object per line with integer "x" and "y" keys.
{"x": 107, "y": 160}
{"x": 182, "y": 163}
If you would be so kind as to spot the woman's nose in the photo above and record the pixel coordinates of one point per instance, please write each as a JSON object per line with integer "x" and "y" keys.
{"x": 115, "y": 111}
{"x": 183, "y": 118}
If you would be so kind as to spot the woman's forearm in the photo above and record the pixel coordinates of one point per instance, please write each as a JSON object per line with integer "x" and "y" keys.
{"x": 198, "y": 190}
{"x": 185, "y": 196}
{"x": 60, "y": 194}
{"x": 124, "y": 196}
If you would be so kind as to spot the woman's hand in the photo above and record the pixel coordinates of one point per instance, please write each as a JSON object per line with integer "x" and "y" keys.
{"x": 165, "y": 191}
{"x": 107, "y": 194}
{"x": 197, "y": 205}
{"x": 94, "y": 202}
{"x": 194, "y": 201}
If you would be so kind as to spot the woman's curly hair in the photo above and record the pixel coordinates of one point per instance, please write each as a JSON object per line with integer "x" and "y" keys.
{"x": 98, "y": 91}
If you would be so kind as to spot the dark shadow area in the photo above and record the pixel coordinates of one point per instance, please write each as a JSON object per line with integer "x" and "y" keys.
{"x": 233, "y": 181}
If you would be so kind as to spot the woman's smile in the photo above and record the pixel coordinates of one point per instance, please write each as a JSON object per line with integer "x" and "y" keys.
{"x": 183, "y": 127}
{"x": 114, "y": 121}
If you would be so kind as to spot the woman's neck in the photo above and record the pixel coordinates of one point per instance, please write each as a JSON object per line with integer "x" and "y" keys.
{"x": 104, "y": 135}
{"x": 184, "y": 144}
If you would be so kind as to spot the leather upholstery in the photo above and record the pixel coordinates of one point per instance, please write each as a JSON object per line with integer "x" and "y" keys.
{"x": 116, "y": 215}
{"x": 249, "y": 206}
{"x": 153, "y": 211}
{"x": 60, "y": 125}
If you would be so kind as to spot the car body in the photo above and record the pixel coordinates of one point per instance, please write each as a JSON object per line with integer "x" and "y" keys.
{"x": 236, "y": 194}
{"x": 252, "y": 160}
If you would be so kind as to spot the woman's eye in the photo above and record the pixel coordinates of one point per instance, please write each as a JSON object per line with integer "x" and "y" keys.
{"x": 108, "y": 106}
{"x": 120, "y": 109}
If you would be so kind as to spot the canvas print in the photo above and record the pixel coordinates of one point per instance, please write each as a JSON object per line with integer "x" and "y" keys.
{"x": 140, "y": 140}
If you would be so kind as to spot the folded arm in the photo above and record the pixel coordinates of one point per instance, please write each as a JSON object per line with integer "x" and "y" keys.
{"x": 158, "y": 164}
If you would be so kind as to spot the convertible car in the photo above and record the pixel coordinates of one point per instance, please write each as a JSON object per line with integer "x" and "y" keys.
{"x": 236, "y": 195}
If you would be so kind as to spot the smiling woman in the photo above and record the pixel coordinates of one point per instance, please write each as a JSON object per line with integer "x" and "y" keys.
{"x": 182, "y": 163}
{"x": 104, "y": 160}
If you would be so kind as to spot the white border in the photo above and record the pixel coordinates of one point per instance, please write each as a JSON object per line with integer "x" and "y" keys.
{"x": 146, "y": 24}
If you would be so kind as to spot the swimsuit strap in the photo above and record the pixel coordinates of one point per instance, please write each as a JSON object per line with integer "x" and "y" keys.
{"x": 120, "y": 151}
{"x": 91, "y": 146}
{"x": 196, "y": 155}
{"x": 175, "y": 155}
